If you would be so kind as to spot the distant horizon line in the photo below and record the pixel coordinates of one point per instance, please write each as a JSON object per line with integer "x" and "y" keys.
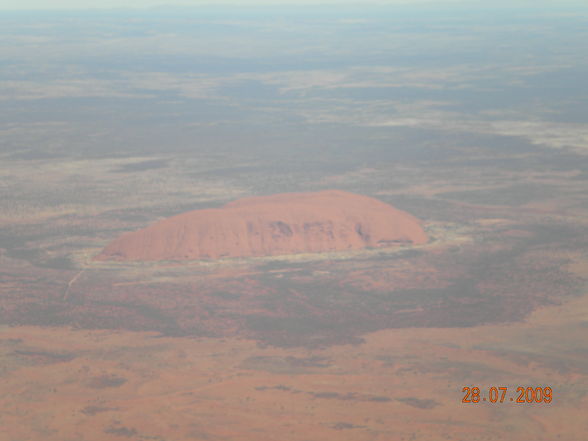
{"x": 132, "y": 5}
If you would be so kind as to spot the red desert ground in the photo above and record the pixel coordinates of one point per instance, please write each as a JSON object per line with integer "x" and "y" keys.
{"x": 288, "y": 223}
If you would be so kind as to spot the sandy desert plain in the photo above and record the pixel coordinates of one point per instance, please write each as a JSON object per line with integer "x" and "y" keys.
{"x": 372, "y": 344}
{"x": 470, "y": 116}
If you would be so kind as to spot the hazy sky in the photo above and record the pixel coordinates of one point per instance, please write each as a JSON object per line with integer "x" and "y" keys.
{"x": 87, "y": 4}
{"x": 90, "y": 4}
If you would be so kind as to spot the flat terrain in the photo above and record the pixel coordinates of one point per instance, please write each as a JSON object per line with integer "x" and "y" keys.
{"x": 475, "y": 121}
{"x": 66, "y": 384}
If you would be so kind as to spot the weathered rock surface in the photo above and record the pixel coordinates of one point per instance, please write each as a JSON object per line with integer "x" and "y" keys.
{"x": 280, "y": 224}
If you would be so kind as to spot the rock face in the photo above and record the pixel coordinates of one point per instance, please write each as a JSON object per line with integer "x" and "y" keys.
{"x": 286, "y": 223}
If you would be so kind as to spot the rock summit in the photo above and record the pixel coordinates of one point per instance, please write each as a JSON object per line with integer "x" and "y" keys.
{"x": 280, "y": 224}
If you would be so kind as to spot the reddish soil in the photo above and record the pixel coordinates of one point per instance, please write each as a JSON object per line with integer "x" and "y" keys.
{"x": 402, "y": 384}
{"x": 287, "y": 223}
{"x": 292, "y": 302}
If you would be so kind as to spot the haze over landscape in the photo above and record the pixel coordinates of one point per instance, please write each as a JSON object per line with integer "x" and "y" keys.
{"x": 293, "y": 222}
